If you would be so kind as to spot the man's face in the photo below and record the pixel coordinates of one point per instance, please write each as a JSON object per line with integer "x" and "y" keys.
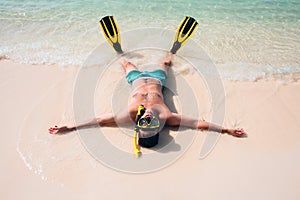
{"x": 148, "y": 113}
{"x": 148, "y": 133}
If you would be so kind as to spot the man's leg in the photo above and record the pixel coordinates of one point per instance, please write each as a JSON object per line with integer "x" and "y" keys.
{"x": 128, "y": 66}
{"x": 131, "y": 71}
{"x": 166, "y": 63}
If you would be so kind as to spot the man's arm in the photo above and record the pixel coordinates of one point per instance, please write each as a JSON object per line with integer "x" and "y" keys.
{"x": 108, "y": 119}
{"x": 178, "y": 120}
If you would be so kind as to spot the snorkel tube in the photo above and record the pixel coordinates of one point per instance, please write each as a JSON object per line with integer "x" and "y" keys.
{"x": 136, "y": 146}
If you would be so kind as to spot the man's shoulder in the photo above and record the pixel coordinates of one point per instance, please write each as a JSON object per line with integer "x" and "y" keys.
{"x": 165, "y": 112}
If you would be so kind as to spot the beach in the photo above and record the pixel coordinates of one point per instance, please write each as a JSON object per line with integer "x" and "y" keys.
{"x": 241, "y": 69}
{"x": 262, "y": 165}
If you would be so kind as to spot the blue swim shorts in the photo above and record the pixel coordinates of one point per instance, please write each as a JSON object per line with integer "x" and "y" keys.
{"x": 156, "y": 74}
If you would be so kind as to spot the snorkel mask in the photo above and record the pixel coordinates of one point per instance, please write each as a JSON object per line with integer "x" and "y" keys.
{"x": 148, "y": 123}
{"x": 143, "y": 123}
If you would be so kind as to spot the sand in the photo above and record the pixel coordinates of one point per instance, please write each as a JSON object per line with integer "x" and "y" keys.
{"x": 263, "y": 165}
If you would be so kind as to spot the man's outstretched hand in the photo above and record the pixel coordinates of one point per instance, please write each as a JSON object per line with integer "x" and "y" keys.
{"x": 237, "y": 132}
{"x": 60, "y": 130}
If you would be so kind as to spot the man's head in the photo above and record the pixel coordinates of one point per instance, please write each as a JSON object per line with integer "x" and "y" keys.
{"x": 148, "y": 125}
{"x": 148, "y": 138}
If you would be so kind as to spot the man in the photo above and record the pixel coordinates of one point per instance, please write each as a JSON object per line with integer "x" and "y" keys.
{"x": 153, "y": 115}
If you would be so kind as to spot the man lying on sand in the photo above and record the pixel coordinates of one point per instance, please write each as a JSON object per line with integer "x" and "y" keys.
{"x": 147, "y": 109}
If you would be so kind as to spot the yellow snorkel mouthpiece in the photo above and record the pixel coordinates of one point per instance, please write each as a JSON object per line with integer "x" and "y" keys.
{"x": 141, "y": 110}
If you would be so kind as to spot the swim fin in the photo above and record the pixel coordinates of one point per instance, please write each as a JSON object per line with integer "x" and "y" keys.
{"x": 186, "y": 29}
{"x": 111, "y": 32}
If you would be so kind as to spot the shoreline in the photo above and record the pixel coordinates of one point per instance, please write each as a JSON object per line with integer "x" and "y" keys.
{"x": 282, "y": 74}
{"x": 263, "y": 165}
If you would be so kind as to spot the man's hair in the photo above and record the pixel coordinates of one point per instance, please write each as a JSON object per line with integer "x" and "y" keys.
{"x": 149, "y": 141}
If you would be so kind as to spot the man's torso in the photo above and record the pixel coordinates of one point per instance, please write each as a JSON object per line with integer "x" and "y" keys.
{"x": 146, "y": 91}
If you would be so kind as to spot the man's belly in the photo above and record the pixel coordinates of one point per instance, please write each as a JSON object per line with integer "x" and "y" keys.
{"x": 147, "y": 92}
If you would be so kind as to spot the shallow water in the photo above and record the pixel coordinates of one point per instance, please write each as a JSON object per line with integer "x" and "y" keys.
{"x": 260, "y": 37}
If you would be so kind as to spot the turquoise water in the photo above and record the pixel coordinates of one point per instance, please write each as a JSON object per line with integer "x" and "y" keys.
{"x": 260, "y": 36}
